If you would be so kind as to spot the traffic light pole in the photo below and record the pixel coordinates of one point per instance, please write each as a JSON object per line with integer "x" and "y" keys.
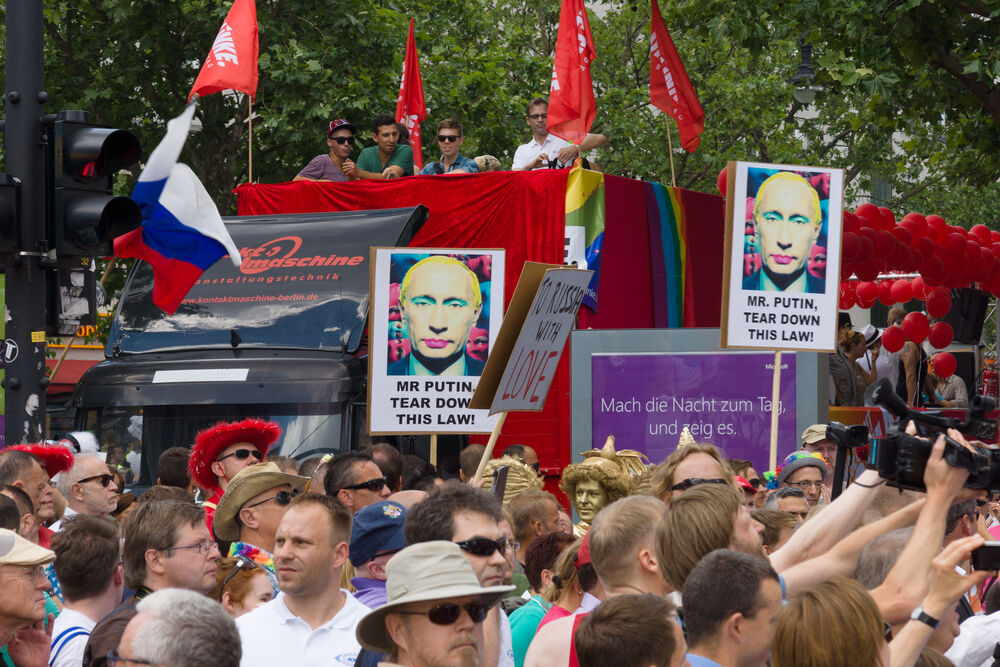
{"x": 24, "y": 350}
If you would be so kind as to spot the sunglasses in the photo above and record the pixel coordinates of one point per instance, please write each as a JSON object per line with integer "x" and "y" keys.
{"x": 448, "y": 138}
{"x": 538, "y": 116}
{"x": 343, "y": 140}
{"x": 376, "y": 484}
{"x": 482, "y": 546}
{"x": 448, "y": 613}
{"x": 242, "y": 454}
{"x": 281, "y": 497}
{"x": 695, "y": 481}
{"x": 242, "y": 563}
{"x": 105, "y": 479}
{"x": 755, "y": 482}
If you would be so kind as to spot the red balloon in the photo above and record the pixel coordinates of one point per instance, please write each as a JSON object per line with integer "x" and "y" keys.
{"x": 868, "y": 272}
{"x": 924, "y": 245}
{"x": 866, "y": 248}
{"x": 940, "y": 335}
{"x": 938, "y": 303}
{"x": 851, "y": 222}
{"x": 866, "y": 291}
{"x": 901, "y": 291}
{"x": 994, "y": 236}
{"x": 981, "y": 233}
{"x": 885, "y": 243}
{"x": 944, "y": 364}
{"x": 917, "y": 286}
{"x": 972, "y": 251}
{"x": 902, "y": 234}
{"x": 887, "y": 215}
{"x": 869, "y": 213}
{"x": 885, "y": 292}
{"x": 954, "y": 243}
{"x": 722, "y": 181}
{"x": 920, "y": 220}
{"x": 893, "y": 339}
{"x": 915, "y": 326}
{"x": 850, "y": 246}
{"x": 933, "y": 271}
{"x": 940, "y": 227}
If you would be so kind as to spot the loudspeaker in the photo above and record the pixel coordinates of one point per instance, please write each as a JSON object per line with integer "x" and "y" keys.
{"x": 967, "y": 314}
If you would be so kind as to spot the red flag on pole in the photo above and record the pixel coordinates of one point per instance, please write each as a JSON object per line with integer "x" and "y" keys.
{"x": 410, "y": 108}
{"x": 669, "y": 86}
{"x": 571, "y": 95}
{"x": 231, "y": 64}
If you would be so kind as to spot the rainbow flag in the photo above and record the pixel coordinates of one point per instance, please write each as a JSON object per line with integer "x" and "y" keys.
{"x": 585, "y": 225}
{"x": 668, "y": 247}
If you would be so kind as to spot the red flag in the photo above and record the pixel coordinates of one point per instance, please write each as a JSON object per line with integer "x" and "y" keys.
{"x": 669, "y": 86}
{"x": 571, "y": 96}
{"x": 410, "y": 107}
{"x": 231, "y": 64}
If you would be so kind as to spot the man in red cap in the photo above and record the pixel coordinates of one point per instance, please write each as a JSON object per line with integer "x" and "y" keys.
{"x": 223, "y": 450}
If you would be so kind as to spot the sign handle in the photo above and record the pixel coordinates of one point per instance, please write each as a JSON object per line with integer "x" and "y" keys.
{"x": 488, "y": 453}
{"x": 775, "y": 392}
{"x": 434, "y": 449}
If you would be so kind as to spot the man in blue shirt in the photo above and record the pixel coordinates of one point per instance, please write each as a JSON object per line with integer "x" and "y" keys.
{"x": 450, "y": 139}
{"x": 734, "y": 629}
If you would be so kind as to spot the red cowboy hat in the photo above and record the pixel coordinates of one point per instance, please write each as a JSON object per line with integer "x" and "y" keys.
{"x": 208, "y": 443}
{"x": 54, "y": 458}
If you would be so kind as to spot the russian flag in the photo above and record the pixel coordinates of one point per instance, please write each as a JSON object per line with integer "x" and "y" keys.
{"x": 182, "y": 233}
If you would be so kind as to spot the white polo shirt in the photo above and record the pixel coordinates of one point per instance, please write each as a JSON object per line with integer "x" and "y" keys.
{"x": 70, "y": 633}
{"x": 526, "y": 153}
{"x": 271, "y": 635}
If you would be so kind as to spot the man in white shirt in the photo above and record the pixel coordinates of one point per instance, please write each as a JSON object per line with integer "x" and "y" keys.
{"x": 313, "y": 620}
{"x": 88, "y": 487}
{"x": 88, "y": 564}
{"x": 545, "y": 148}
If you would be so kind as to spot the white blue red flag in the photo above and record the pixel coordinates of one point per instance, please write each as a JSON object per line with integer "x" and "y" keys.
{"x": 182, "y": 233}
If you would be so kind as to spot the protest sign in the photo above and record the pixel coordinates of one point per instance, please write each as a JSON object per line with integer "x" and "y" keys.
{"x": 433, "y": 324}
{"x": 782, "y": 262}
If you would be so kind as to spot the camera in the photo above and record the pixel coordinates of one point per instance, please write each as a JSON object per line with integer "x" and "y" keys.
{"x": 986, "y": 557}
{"x": 901, "y": 458}
{"x": 847, "y": 436}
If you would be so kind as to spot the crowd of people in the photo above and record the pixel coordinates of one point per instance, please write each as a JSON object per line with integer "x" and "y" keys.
{"x": 860, "y": 361}
{"x": 371, "y": 557}
{"x": 390, "y": 155}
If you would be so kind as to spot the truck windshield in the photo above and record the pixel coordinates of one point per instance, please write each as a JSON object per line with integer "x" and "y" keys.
{"x": 134, "y": 437}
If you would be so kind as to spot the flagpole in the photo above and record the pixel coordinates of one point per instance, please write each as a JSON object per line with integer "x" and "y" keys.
{"x": 670, "y": 148}
{"x": 250, "y": 136}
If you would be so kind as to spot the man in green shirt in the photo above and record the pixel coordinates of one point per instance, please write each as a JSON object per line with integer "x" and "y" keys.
{"x": 387, "y": 158}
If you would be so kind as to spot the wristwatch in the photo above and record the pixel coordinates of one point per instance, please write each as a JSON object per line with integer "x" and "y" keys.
{"x": 920, "y": 615}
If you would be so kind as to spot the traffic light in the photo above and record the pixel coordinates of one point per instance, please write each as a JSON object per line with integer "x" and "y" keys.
{"x": 10, "y": 212}
{"x": 86, "y": 216}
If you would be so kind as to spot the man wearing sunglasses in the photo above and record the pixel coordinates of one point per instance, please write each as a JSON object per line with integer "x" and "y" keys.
{"x": 335, "y": 166}
{"x": 355, "y": 479}
{"x": 469, "y": 517}
{"x": 450, "y": 139}
{"x": 253, "y": 505}
{"x": 435, "y": 610}
{"x": 545, "y": 150}
{"x": 220, "y": 452}
{"x": 88, "y": 488}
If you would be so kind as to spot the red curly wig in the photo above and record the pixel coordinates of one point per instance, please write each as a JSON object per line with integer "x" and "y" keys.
{"x": 54, "y": 458}
{"x": 209, "y": 442}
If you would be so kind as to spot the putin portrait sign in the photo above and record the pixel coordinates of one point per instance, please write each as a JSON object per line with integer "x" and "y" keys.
{"x": 782, "y": 259}
{"x": 431, "y": 327}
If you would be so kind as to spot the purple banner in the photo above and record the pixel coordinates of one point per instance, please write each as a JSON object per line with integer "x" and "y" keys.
{"x": 645, "y": 400}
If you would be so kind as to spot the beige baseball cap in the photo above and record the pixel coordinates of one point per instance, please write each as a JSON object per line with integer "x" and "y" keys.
{"x": 15, "y": 550}
{"x": 814, "y": 434}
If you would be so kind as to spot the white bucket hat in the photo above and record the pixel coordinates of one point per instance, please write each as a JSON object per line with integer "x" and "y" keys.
{"x": 421, "y": 573}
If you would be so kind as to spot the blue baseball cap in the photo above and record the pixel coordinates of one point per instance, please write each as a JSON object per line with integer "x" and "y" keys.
{"x": 377, "y": 528}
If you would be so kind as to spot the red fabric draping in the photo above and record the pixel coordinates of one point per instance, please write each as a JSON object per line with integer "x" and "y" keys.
{"x": 522, "y": 212}
{"x": 704, "y": 221}
{"x": 625, "y": 262}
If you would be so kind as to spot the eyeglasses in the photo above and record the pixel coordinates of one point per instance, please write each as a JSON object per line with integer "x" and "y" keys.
{"x": 241, "y": 454}
{"x": 242, "y": 563}
{"x": 755, "y": 482}
{"x": 114, "y": 660}
{"x": 204, "y": 548}
{"x": 448, "y": 138}
{"x": 281, "y": 497}
{"x": 538, "y": 116}
{"x": 886, "y": 631}
{"x": 343, "y": 140}
{"x": 31, "y": 571}
{"x": 482, "y": 546}
{"x": 106, "y": 479}
{"x": 694, "y": 481}
{"x": 805, "y": 484}
{"x": 376, "y": 484}
{"x": 448, "y": 613}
